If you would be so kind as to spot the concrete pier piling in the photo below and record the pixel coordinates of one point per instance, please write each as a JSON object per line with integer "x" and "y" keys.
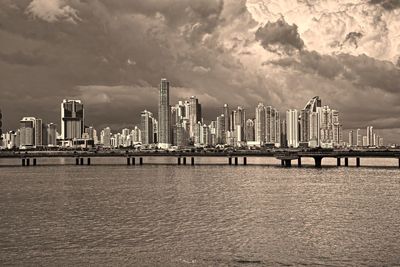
{"x": 318, "y": 162}
{"x": 288, "y": 162}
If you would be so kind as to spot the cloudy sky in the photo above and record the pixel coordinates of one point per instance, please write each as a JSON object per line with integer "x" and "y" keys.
{"x": 112, "y": 54}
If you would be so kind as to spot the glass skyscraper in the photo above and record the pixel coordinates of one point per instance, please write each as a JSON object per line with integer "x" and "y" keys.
{"x": 164, "y": 118}
{"x": 72, "y": 119}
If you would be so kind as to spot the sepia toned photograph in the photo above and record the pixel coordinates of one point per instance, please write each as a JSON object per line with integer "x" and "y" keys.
{"x": 199, "y": 133}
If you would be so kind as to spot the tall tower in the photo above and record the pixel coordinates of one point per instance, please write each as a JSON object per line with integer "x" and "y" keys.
{"x": 292, "y": 116}
{"x": 164, "y": 118}
{"x": 147, "y": 127}
{"x": 72, "y": 119}
{"x": 226, "y": 116}
{"x": 194, "y": 114}
{"x": 260, "y": 121}
{"x": 27, "y": 129}
{"x": 370, "y": 136}
{"x": 359, "y": 138}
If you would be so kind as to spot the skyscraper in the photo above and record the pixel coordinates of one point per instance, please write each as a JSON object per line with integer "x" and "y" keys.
{"x": 72, "y": 119}
{"x": 105, "y": 137}
{"x": 370, "y": 136}
{"x": 249, "y": 130}
{"x": 220, "y": 130}
{"x": 39, "y": 132}
{"x": 292, "y": 116}
{"x": 272, "y": 126}
{"x": 27, "y": 132}
{"x": 164, "y": 118}
{"x": 314, "y": 136}
{"x": 51, "y": 134}
{"x": 227, "y": 124}
{"x": 359, "y": 138}
{"x": 260, "y": 121}
{"x": 305, "y": 126}
{"x": 351, "y": 139}
{"x": 326, "y": 126}
{"x": 194, "y": 114}
{"x": 309, "y": 123}
{"x": 146, "y": 122}
{"x": 239, "y": 121}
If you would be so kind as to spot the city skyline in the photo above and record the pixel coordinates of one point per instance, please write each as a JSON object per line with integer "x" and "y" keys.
{"x": 282, "y": 53}
{"x": 183, "y": 125}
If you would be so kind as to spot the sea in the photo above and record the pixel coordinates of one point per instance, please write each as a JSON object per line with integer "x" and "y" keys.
{"x": 210, "y": 214}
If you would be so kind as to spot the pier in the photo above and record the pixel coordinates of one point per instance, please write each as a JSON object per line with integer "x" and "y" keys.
{"x": 234, "y": 158}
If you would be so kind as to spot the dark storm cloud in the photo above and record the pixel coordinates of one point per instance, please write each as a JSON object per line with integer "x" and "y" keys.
{"x": 362, "y": 70}
{"x": 353, "y": 38}
{"x": 279, "y": 33}
{"x": 386, "y": 4}
{"x": 22, "y": 58}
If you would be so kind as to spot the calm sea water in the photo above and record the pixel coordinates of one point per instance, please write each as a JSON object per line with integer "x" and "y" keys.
{"x": 206, "y": 215}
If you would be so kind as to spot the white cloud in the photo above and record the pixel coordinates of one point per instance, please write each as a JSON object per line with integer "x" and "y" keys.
{"x": 325, "y": 24}
{"x": 52, "y": 11}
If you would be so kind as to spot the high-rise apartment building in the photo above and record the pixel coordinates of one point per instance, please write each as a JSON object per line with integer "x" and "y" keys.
{"x": 326, "y": 126}
{"x": 359, "y": 138}
{"x": 260, "y": 127}
{"x": 72, "y": 119}
{"x": 51, "y": 134}
{"x": 292, "y": 125}
{"x": 27, "y": 132}
{"x": 240, "y": 124}
{"x": 351, "y": 139}
{"x": 305, "y": 125}
{"x": 194, "y": 114}
{"x": 227, "y": 121}
{"x": 39, "y": 133}
{"x": 164, "y": 118}
{"x": 272, "y": 126}
{"x": 220, "y": 130}
{"x": 146, "y": 122}
{"x": 309, "y": 123}
{"x": 250, "y": 130}
{"x": 314, "y": 135}
{"x": 105, "y": 137}
{"x": 370, "y": 136}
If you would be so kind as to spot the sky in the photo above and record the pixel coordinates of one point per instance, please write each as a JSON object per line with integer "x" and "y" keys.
{"x": 111, "y": 54}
